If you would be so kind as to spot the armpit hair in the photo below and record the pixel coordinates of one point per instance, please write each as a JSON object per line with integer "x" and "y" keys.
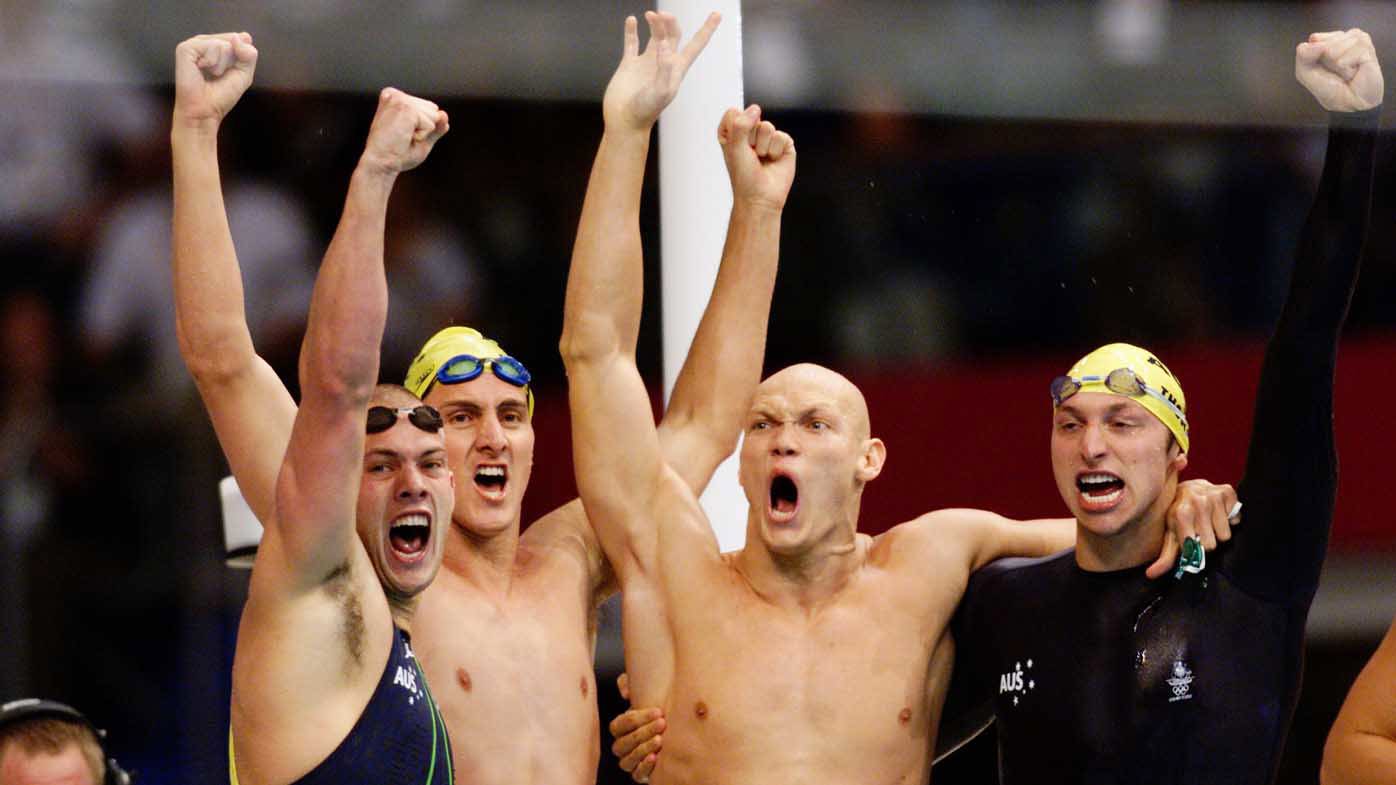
{"x": 340, "y": 586}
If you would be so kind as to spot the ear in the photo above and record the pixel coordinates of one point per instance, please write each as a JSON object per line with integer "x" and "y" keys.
{"x": 1178, "y": 462}
{"x": 871, "y": 461}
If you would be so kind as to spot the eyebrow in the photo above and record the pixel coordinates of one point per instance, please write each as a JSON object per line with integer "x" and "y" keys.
{"x": 1112, "y": 411}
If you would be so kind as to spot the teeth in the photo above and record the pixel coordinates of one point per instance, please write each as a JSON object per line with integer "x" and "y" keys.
{"x": 1097, "y": 479}
{"x": 1107, "y": 498}
{"x": 490, "y": 471}
{"x": 411, "y": 520}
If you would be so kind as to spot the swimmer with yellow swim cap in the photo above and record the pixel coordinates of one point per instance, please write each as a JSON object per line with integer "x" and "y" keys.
{"x": 1119, "y": 442}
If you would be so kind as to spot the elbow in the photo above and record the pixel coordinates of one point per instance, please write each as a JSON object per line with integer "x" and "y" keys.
{"x": 214, "y": 359}
{"x": 585, "y": 341}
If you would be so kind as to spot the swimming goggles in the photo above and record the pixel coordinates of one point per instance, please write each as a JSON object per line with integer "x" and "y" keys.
{"x": 464, "y": 367}
{"x": 381, "y": 418}
{"x": 1121, "y": 380}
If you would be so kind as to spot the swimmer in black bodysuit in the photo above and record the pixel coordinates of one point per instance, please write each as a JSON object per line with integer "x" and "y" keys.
{"x": 1099, "y": 675}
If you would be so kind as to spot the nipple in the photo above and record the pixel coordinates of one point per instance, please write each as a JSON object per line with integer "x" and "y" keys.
{"x": 463, "y": 677}
{"x": 701, "y": 710}
{"x": 905, "y": 716}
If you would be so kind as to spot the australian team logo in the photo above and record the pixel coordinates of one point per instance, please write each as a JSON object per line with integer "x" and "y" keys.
{"x": 1181, "y": 682}
{"x": 1017, "y": 682}
{"x": 406, "y": 677}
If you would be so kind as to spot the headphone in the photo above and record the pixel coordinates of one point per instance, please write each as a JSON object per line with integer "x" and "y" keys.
{"x": 30, "y": 708}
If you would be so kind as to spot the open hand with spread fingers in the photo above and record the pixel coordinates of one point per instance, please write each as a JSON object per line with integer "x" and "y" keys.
{"x": 645, "y": 82}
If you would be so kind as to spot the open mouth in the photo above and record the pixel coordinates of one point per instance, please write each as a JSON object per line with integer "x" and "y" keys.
{"x": 785, "y": 498}
{"x": 491, "y": 480}
{"x": 1100, "y": 490}
{"x": 409, "y": 535}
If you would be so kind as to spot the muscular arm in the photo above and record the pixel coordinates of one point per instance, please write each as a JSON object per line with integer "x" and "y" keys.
{"x": 713, "y": 390}
{"x": 251, "y": 410}
{"x": 317, "y": 491}
{"x": 618, "y": 455}
{"x": 1361, "y": 748}
{"x": 1291, "y": 471}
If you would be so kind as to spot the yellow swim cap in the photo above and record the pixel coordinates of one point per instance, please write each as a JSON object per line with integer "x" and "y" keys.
{"x": 447, "y": 345}
{"x": 1157, "y": 390}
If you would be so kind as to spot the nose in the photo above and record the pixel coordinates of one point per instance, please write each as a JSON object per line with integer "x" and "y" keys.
{"x": 489, "y": 435}
{"x": 783, "y": 441}
{"x": 411, "y": 484}
{"x": 1092, "y": 442}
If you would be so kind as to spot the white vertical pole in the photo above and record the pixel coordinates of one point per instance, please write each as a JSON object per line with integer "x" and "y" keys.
{"x": 695, "y": 199}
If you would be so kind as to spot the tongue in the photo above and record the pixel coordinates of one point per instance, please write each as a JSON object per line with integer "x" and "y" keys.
{"x": 409, "y": 539}
{"x": 783, "y": 494}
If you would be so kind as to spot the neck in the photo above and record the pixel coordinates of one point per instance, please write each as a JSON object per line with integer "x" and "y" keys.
{"x": 1138, "y": 542}
{"x": 402, "y": 609}
{"x": 804, "y": 579}
{"x": 484, "y": 561}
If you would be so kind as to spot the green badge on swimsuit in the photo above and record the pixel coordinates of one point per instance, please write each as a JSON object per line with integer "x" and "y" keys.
{"x": 1193, "y": 557}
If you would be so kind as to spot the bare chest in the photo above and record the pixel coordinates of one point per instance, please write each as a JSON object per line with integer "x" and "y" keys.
{"x": 514, "y": 681}
{"x": 758, "y": 683}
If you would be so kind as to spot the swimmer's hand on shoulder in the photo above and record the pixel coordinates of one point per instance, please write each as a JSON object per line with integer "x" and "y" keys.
{"x": 638, "y": 737}
{"x": 1200, "y": 509}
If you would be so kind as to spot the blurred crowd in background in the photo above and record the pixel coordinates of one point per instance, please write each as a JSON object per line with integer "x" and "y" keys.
{"x": 911, "y": 241}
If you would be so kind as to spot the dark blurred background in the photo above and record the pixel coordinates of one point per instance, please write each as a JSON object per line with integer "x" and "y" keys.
{"x": 986, "y": 191}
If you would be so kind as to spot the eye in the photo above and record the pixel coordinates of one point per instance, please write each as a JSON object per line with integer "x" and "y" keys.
{"x": 459, "y": 418}
{"x": 511, "y": 417}
{"x": 1068, "y": 426}
{"x": 379, "y": 468}
{"x": 760, "y": 425}
{"x": 818, "y": 425}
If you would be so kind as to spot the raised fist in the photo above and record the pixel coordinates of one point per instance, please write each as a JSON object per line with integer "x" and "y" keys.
{"x": 211, "y": 74}
{"x": 404, "y": 130}
{"x": 645, "y": 82}
{"x": 760, "y": 159}
{"x": 1341, "y": 70}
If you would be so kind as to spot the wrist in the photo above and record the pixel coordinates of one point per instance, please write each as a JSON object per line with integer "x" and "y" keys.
{"x": 756, "y": 208}
{"x": 620, "y": 133}
{"x": 375, "y": 169}
{"x": 188, "y": 127}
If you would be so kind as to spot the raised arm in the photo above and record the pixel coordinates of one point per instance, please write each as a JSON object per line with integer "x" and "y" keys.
{"x": 250, "y": 408}
{"x": 317, "y": 491}
{"x": 1290, "y": 479}
{"x": 1361, "y": 748}
{"x": 617, "y": 453}
{"x": 714, "y": 388}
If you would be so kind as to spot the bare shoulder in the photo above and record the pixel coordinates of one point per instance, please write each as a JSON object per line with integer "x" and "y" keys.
{"x": 563, "y": 525}
{"x": 951, "y": 532}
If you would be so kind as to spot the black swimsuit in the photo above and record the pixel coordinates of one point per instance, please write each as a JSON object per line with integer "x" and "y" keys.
{"x": 399, "y": 739}
{"x": 1114, "y": 678}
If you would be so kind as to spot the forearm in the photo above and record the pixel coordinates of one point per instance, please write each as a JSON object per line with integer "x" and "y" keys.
{"x": 1290, "y": 481}
{"x": 209, "y": 311}
{"x": 1332, "y": 240}
{"x": 1354, "y": 758}
{"x": 349, "y": 307}
{"x": 724, "y": 364}
{"x": 1361, "y": 748}
{"x": 605, "y": 287}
